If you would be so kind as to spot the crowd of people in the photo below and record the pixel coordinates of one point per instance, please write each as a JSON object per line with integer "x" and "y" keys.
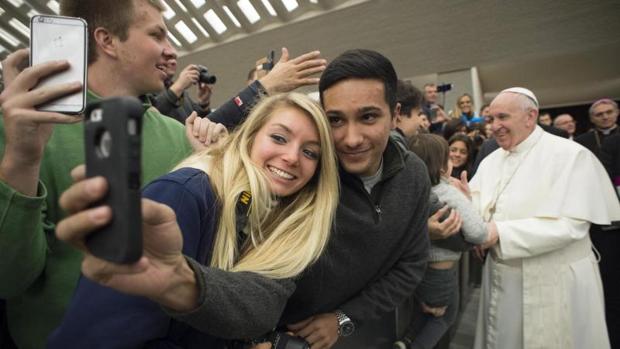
{"x": 276, "y": 216}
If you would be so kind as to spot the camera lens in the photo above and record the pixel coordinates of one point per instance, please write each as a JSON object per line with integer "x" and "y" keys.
{"x": 104, "y": 144}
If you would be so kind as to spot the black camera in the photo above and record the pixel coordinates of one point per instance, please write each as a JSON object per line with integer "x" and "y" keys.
{"x": 204, "y": 76}
{"x": 443, "y": 88}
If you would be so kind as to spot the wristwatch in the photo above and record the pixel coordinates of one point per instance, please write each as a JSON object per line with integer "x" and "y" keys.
{"x": 345, "y": 325}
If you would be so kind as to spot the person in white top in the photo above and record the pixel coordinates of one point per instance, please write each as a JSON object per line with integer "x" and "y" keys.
{"x": 539, "y": 194}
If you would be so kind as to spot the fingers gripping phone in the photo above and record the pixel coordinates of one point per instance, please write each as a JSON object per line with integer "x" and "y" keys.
{"x": 61, "y": 38}
{"x": 112, "y": 137}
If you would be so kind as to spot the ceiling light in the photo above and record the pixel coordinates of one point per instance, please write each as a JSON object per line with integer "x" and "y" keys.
{"x": 215, "y": 21}
{"x": 19, "y": 26}
{"x": 8, "y": 38}
{"x": 187, "y": 33}
{"x": 54, "y": 6}
{"x": 269, "y": 8}
{"x": 200, "y": 27}
{"x": 168, "y": 13}
{"x": 290, "y": 4}
{"x": 198, "y": 3}
{"x": 248, "y": 10}
{"x": 232, "y": 16}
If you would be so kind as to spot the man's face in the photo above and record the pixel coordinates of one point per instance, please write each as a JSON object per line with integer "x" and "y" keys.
{"x": 511, "y": 124}
{"x": 565, "y": 122}
{"x": 604, "y": 116}
{"x": 430, "y": 94}
{"x": 361, "y": 122}
{"x": 410, "y": 124}
{"x": 143, "y": 57}
{"x": 544, "y": 119}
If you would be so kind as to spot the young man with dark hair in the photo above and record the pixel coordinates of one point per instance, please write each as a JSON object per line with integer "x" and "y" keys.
{"x": 376, "y": 256}
{"x": 408, "y": 119}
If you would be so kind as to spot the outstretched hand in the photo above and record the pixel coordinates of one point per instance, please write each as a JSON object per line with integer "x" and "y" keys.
{"x": 162, "y": 273}
{"x": 289, "y": 74}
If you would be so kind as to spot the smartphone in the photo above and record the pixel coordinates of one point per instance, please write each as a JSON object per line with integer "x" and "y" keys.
{"x": 269, "y": 64}
{"x": 112, "y": 137}
{"x": 61, "y": 38}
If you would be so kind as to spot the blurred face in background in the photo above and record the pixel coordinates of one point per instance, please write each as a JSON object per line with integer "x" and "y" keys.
{"x": 604, "y": 116}
{"x": 544, "y": 119}
{"x": 465, "y": 104}
{"x": 458, "y": 153}
{"x": 430, "y": 93}
{"x": 425, "y": 124}
{"x": 565, "y": 122}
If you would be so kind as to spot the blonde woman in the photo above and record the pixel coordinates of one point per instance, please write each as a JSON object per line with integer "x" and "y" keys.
{"x": 464, "y": 110}
{"x": 261, "y": 202}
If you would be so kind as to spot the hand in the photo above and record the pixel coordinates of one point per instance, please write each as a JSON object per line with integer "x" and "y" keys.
{"x": 26, "y": 129}
{"x": 205, "y": 91}
{"x": 462, "y": 185}
{"x": 202, "y": 132}
{"x": 434, "y": 311}
{"x": 265, "y": 345}
{"x": 492, "y": 240}
{"x": 321, "y": 331}
{"x": 288, "y": 75}
{"x": 448, "y": 227}
{"x": 13, "y": 64}
{"x": 188, "y": 76}
{"x": 162, "y": 273}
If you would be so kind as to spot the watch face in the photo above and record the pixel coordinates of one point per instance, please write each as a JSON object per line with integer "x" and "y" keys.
{"x": 347, "y": 328}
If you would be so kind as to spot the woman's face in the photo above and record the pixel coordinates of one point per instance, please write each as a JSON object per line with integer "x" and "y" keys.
{"x": 465, "y": 104}
{"x": 424, "y": 123}
{"x": 458, "y": 153}
{"x": 288, "y": 148}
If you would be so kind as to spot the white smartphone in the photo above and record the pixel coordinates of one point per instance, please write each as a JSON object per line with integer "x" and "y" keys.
{"x": 61, "y": 38}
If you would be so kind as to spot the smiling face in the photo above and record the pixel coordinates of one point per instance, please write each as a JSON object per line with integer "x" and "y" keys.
{"x": 361, "y": 121}
{"x": 143, "y": 55}
{"x": 458, "y": 153}
{"x": 287, "y": 147}
{"x": 511, "y": 121}
{"x": 465, "y": 104}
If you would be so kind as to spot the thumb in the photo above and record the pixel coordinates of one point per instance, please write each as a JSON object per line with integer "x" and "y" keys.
{"x": 464, "y": 177}
{"x": 189, "y": 124}
{"x": 154, "y": 213}
{"x": 284, "y": 57}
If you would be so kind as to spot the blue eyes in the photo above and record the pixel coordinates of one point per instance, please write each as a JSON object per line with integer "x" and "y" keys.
{"x": 310, "y": 154}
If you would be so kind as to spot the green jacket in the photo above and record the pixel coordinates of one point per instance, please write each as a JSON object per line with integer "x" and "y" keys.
{"x": 38, "y": 272}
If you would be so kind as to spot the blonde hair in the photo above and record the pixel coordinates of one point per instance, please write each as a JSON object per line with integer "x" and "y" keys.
{"x": 457, "y": 111}
{"x": 285, "y": 235}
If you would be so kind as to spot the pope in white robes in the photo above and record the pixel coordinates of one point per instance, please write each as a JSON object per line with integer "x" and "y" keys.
{"x": 541, "y": 284}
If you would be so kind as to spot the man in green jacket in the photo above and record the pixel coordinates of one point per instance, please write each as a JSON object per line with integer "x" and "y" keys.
{"x": 128, "y": 47}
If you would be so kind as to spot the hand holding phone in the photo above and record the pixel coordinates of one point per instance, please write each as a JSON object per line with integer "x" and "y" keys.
{"x": 54, "y": 38}
{"x": 112, "y": 137}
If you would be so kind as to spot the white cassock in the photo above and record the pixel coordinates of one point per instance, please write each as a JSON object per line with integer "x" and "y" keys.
{"x": 541, "y": 285}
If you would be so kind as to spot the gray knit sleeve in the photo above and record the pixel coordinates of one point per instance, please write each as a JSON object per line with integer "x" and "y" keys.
{"x": 240, "y": 305}
{"x": 474, "y": 228}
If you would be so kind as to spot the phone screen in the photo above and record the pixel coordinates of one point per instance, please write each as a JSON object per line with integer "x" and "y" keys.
{"x": 61, "y": 38}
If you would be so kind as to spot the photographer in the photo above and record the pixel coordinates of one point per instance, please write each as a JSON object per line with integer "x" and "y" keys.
{"x": 174, "y": 101}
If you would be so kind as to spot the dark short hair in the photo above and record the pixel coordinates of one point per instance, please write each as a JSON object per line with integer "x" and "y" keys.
{"x": 409, "y": 97}
{"x": 434, "y": 151}
{"x": 361, "y": 64}
{"x": 114, "y": 15}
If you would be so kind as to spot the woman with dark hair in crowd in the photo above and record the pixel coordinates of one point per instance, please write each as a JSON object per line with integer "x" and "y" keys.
{"x": 461, "y": 154}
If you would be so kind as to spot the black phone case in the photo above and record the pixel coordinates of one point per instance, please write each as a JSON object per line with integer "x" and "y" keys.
{"x": 116, "y": 122}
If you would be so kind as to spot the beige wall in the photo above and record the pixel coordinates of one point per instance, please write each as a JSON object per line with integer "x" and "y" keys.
{"x": 566, "y": 51}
